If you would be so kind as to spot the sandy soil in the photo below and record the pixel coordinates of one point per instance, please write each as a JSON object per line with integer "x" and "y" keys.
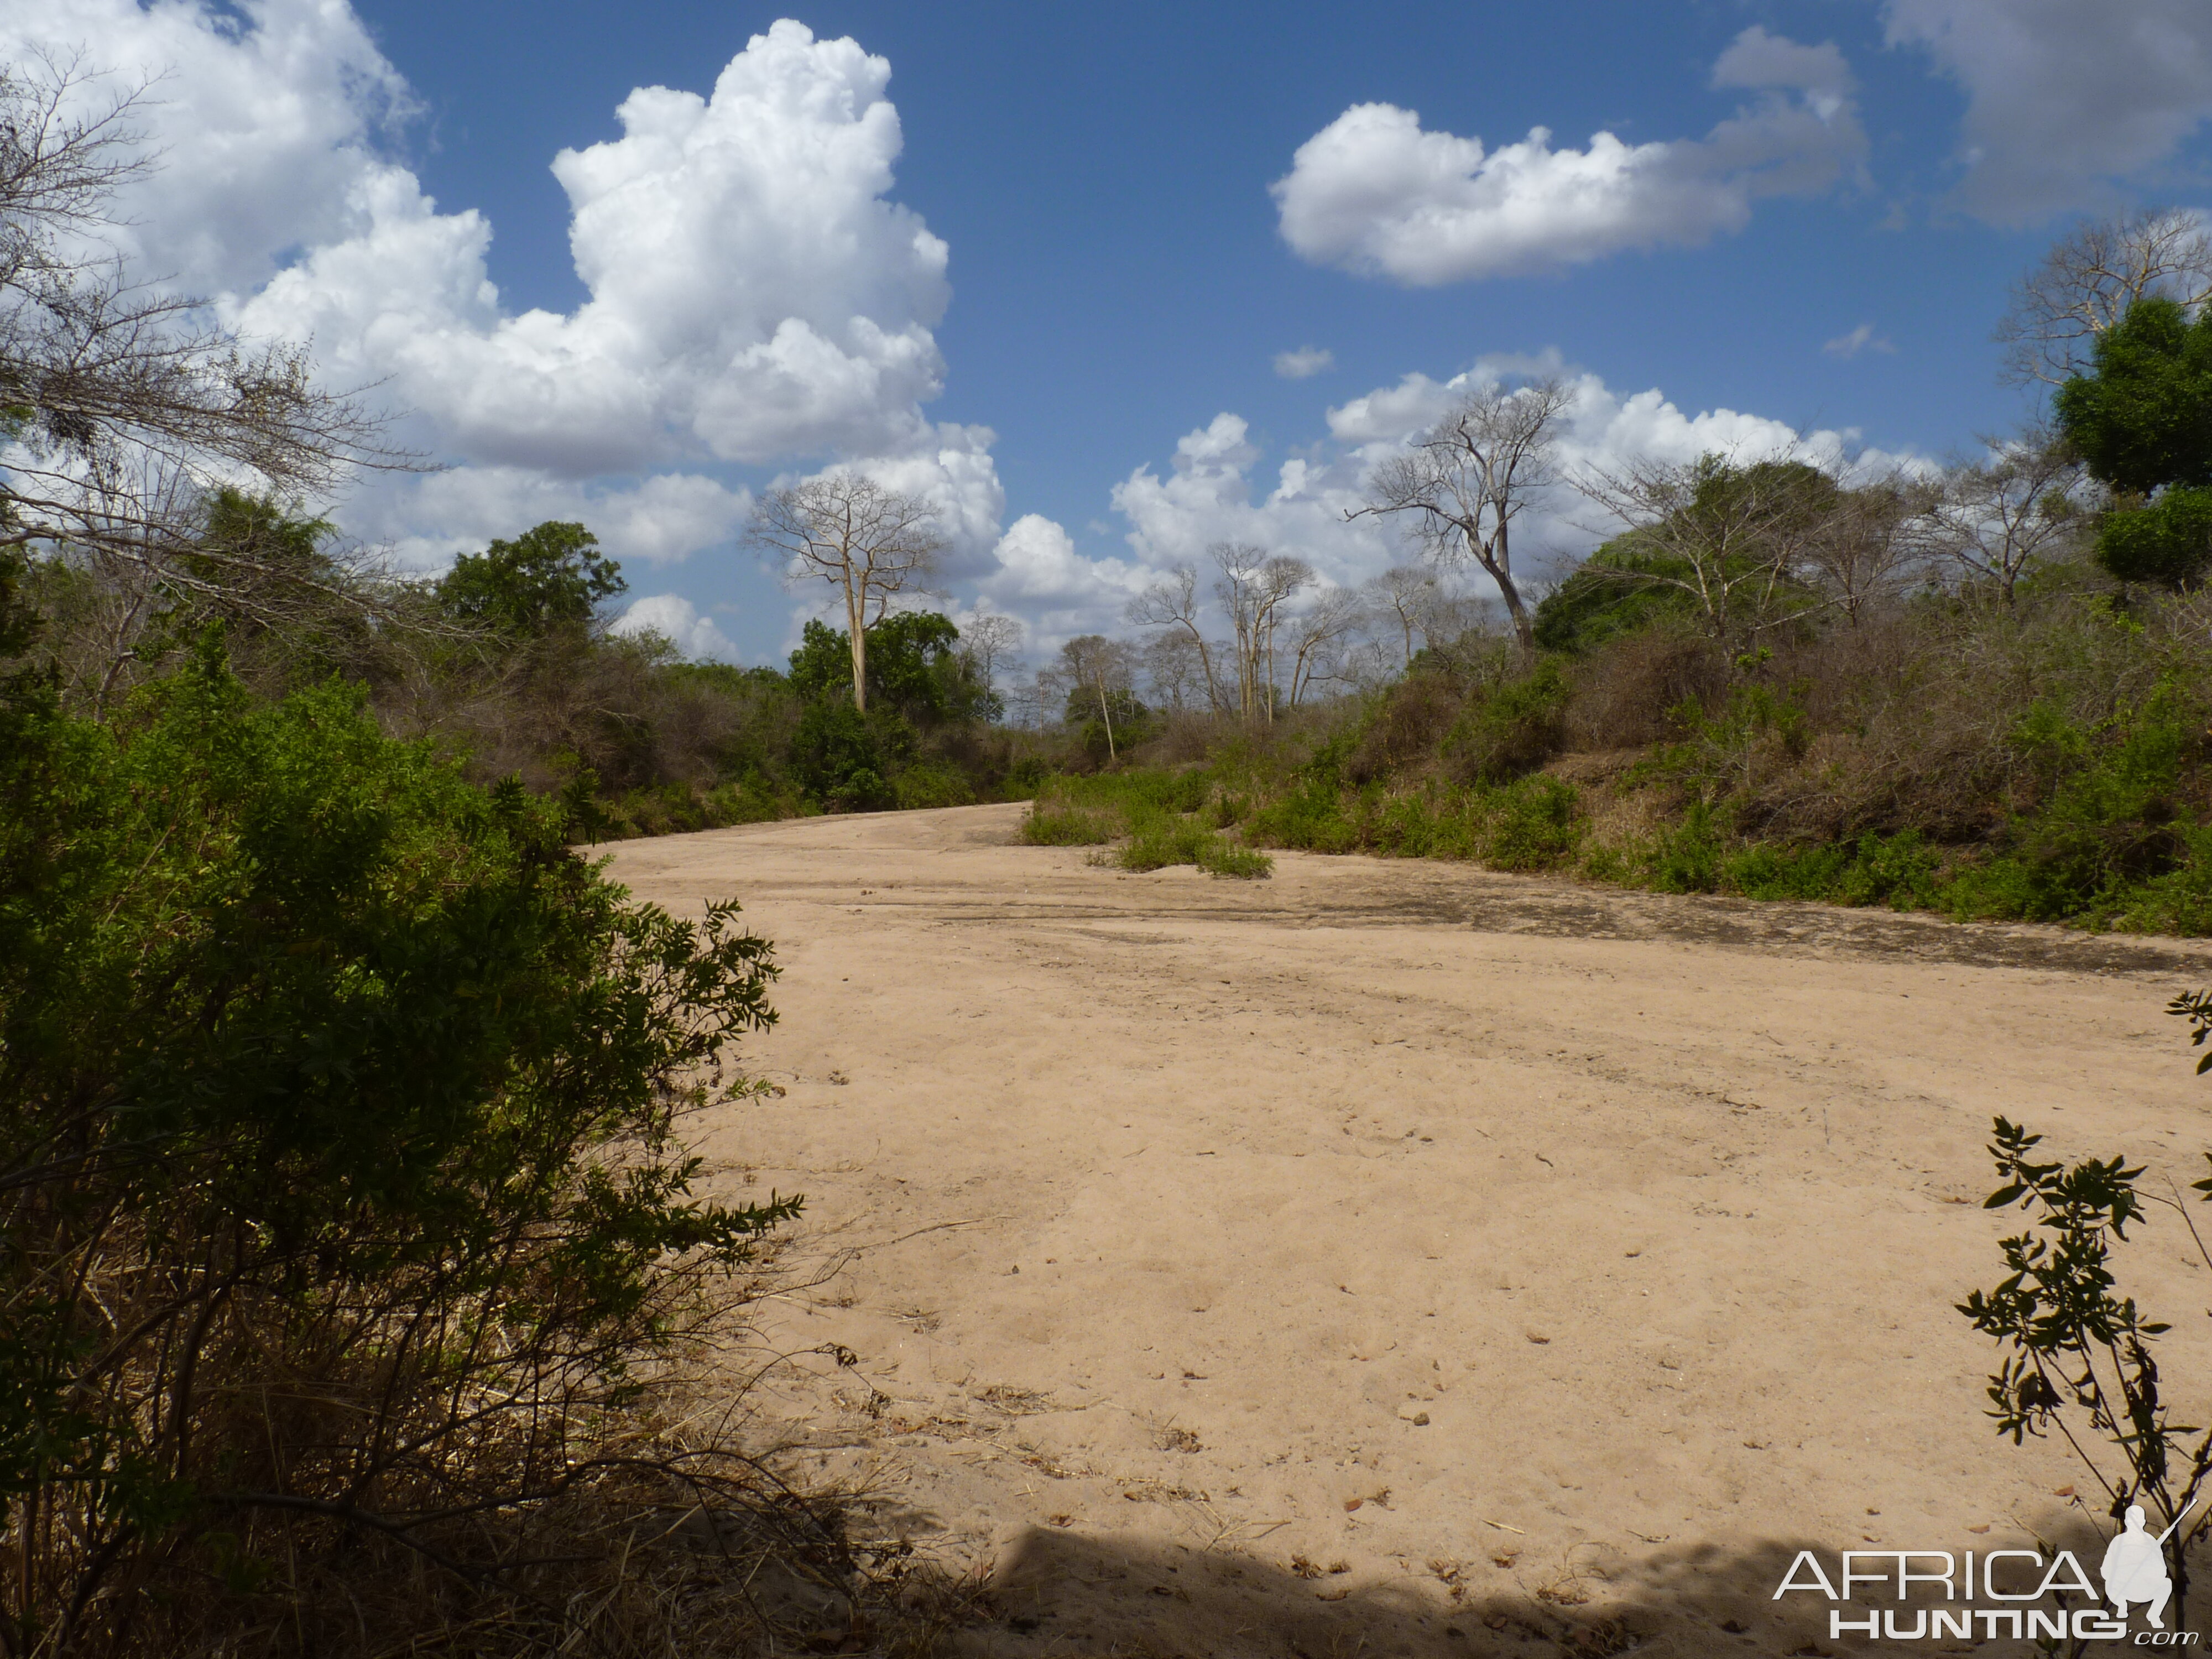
{"x": 1541, "y": 1264}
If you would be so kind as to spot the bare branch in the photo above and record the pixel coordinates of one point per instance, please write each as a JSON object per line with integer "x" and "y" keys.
{"x": 870, "y": 543}
{"x": 2087, "y": 281}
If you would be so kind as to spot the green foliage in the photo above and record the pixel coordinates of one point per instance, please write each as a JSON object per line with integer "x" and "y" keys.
{"x": 1761, "y": 730}
{"x": 335, "y": 1090}
{"x": 914, "y": 666}
{"x": 1510, "y": 728}
{"x": 2071, "y": 1344}
{"x": 2143, "y": 417}
{"x": 1618, "y": 590}
{"x": 549, "y": 580}
{"x": 2168, "y": 541}
{"x": 840, "y": 757}
{"x": 1133, "y": 723}
{"x": 2108, "y": 821}
{"x": 1899, "y": 871}
{"x": 1160, "y": 812}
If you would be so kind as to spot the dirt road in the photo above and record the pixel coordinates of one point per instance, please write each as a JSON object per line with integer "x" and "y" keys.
{"x": 1523, "y": 1259}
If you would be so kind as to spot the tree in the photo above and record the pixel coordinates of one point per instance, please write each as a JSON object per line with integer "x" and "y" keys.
{"x": 1252, "y": 589}
{"x": 346, "y": 1227}
{"x": 126, "y": 410}
{"x": 1175, "y": 670}
{"x": 1173, "y": 606}
{"x": 2080, "y": 1356}
{"x": 1728, "y": 537}
{"x": 1867, "y": 549}
{"x": 1408, "y": 593}
{"x": 915, "y": 670}
{"x": 2141, "y": 416}
{"x": 1479, "y": 469}
{"x": 1994, "y": 518}
{"x": 2088, "y": 281}
{"x": 993, "y": 638}
{"x": 550, "y": 579}
{"x": 2142, "y": 422}
{"x": 1316, "y": 634}
{"x": 870, "y": 543}
{"x": 1099, "y": 670}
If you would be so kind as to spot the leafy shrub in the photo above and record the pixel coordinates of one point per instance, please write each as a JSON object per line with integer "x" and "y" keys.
{"x": 346, "y": 1233}
{"x": 1532, "y": 824}
{"x": 1069, "y": 826}
{"x": 1511, "y": 728}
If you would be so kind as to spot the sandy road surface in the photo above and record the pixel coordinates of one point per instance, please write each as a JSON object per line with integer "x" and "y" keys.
{"x": 1654, "y": 1208}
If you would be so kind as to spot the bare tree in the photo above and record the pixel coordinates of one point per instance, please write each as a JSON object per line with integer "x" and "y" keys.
{"x": 1993, "y": 518}
{"x": 1101, "y": 668}
{"x": 992, "y": 637}
{"x": 1253, "y": 588}
{"x": 2087, "y": 281}
{"x": 124, "y": 409}
{"x": 1408, "y": 596}
{"x": 1173, "y": 606}
{"x": 1175, "y": 668}
{"x": 1869, "y": 544}
{"x": 1727, "y": 536}
{"x": 870, "y": 543}
{"x": 1477, "y": 470}
{"x": 1316, "y": 634}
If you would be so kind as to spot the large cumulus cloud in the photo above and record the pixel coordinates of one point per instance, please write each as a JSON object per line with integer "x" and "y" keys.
{"x": 755, "y": 298}
{"x": 1376, "y": 194}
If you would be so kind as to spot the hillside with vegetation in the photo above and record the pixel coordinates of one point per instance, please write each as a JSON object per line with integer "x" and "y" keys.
{"x": 1982, "y": 690}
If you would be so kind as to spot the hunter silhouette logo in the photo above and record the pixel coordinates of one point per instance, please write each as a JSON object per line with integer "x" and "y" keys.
{"x": 2035, "y": 1600}
{"x": 2135, "y": 1567}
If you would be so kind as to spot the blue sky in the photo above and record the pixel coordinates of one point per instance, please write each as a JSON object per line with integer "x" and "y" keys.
{"x": 1121, "y": 277}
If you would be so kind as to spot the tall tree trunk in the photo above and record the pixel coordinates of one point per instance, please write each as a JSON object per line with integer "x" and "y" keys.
{"x": 855, "y": 609}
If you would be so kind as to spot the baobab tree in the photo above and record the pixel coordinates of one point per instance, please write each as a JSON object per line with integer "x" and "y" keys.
{"x": 870, "y": 543}
{"x": 1479, "y": 468}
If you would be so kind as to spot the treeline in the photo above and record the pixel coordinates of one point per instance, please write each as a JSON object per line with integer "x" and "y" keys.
{"x": 505, "y": 663}
{"x": 1983, "y": 689}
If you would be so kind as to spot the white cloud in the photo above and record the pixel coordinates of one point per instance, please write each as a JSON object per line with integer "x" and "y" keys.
{"x": 1861, "y": 338}
{"x": 663, "y": 520}
{"x": 755, "y": 296}
{"x": 752, "y": 293}
{"x": 265, "y": 126}
{"x": 1375, "y": 194}
{"x": 2063, "y": 99}
{"x": 677, "y": 619}
{"x": 1304, "y": 364}
{"x": 1215, "y": 489}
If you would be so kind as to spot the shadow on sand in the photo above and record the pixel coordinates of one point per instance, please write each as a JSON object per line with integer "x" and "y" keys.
{"x": 1066, "y": 1594}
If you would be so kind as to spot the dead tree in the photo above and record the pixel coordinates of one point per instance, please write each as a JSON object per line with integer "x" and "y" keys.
{"x": 870, "y": 543}
{"x": 1477, "y": 470}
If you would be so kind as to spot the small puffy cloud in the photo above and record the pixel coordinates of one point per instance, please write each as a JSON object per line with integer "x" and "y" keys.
{"x": 677, "y": 620}
{"x": 2063, "y": 99}
{"x": 1861, "y": 338}
{"x": 1304, "y": 364}
{"x": 1375, "y": 194}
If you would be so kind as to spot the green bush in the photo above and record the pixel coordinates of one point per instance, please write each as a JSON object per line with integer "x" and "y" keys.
{"x": 346, "y": 1232}
{"x": 1509, "y": 729}
{"x": 1531, "y": 824}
